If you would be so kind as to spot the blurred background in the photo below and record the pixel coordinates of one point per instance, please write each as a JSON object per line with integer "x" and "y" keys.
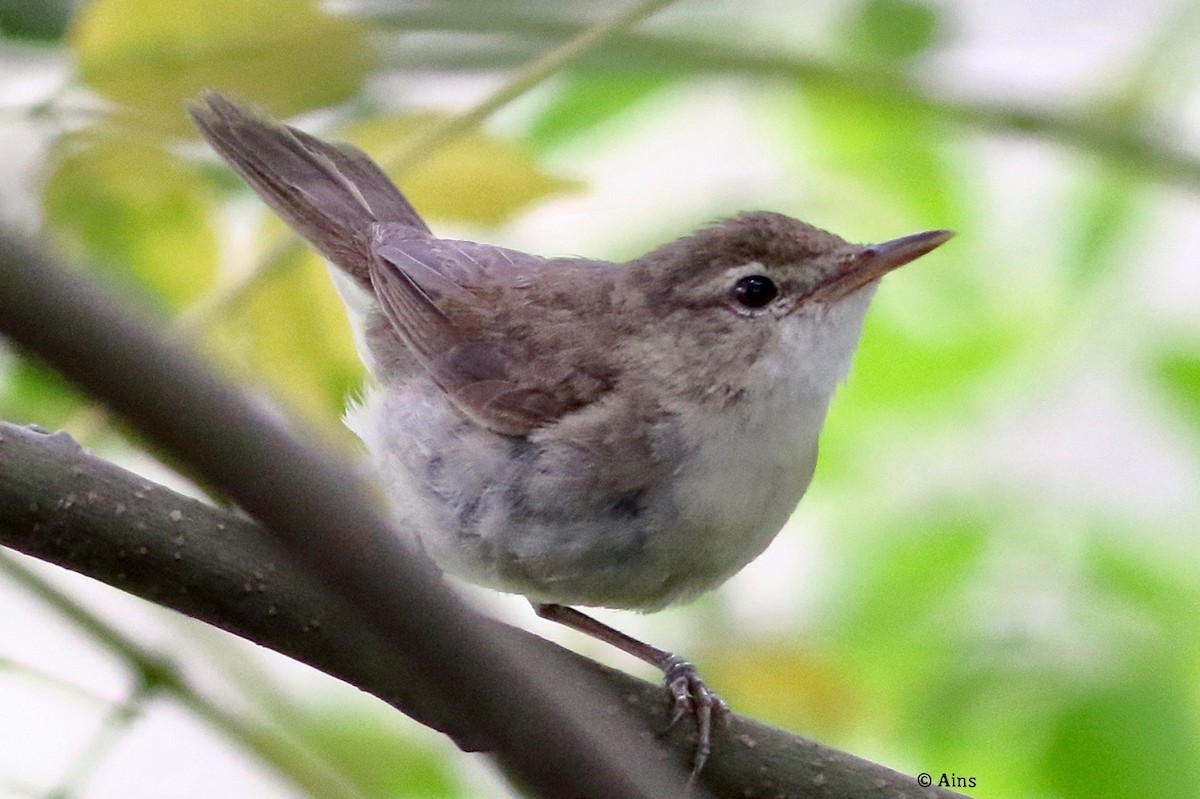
{"x": 994, "y": 574}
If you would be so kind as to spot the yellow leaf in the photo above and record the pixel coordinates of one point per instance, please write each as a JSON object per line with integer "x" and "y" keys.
{"x": 782, "y": 683}
{"x": 286, "y": 55}
{"x": 292, "y": 335}
{"x": 475, "y": 178}
{"x": 135, "y": 210}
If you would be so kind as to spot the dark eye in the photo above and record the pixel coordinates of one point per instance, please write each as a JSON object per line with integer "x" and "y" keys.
{"x": 755, "y": 291}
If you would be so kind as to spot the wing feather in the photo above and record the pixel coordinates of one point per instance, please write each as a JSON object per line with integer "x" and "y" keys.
{"x": 502, "y": 372}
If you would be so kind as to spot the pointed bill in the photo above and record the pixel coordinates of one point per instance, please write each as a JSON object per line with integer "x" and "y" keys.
{"x": 873, "y": 262}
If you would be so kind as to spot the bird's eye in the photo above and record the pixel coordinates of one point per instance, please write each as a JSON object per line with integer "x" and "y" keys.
{"x": 755, "y": 291}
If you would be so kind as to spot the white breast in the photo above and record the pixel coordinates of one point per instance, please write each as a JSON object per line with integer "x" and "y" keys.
{"x": 740, "y": 487}
{"x": 738, "y": 490}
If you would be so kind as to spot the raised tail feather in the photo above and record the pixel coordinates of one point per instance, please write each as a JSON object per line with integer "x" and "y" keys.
{"x": 332, "y": 194}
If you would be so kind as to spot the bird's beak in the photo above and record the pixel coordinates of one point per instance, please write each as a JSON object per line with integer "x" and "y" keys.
{"x": 871, "y": 263}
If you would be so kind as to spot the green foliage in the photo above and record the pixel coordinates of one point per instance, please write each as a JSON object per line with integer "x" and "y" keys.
{"x": 1178, "y": 374}
{"x": 1108, "y": 206}
{"x": 35, "y": 20}
{"x": 377, "y": 755}
{"x": 1034, "y": 633}
{"x": 32, "y": 394}
{"x": 902, "y": 584}
{"x": 895, "y": 151}
{"x": 1158, "y": 591}
{"x": 1136, "y": 738}
{"x": 295, "y": 317}
{"x": 589, "y": 99}
{"x": 891, "y": 30}
{"x": 915, "y": 375}
{"x": 786, "y": 683}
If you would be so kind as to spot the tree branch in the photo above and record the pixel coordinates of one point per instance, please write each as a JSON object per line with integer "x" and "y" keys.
{"x": 324, "y": 581}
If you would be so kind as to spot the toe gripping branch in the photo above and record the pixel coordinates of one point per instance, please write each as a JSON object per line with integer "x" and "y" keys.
{"x": 691, "y": 697}
{"x": 688, "y": 694}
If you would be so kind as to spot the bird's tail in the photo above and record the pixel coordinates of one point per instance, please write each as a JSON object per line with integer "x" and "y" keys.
{"x": 332, "y": 194}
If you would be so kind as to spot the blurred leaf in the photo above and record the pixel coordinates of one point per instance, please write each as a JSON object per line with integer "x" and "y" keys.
{"x": 39, "y": 20}
{"x": 370, "y": 751}
{"x": 786, "y": 685}
{"x": 32, "y": 394}
{"x": 1163, "y": 591}
{"x": 1137, "y": 738}
{"x": 893, "y": 149}
{"x": 1107, "y": 207}
{"x": 589, "y": 99}
{"x": 922, "y": 377}
{"x": 904, "y": 371}
{"x": 136, "y": 211}
{"x": 1178, "y": 373}
{"x": 292, "y": 334}
{"x": 976, "y": 714}
{"x": 892, "y": 30}
{"x": 475, "y": 178}
{"x": 286, "y": 55}
{"x": 904, "y": 588}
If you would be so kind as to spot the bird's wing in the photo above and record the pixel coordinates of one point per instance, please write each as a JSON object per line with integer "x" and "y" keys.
{"x": 510, "y": 372}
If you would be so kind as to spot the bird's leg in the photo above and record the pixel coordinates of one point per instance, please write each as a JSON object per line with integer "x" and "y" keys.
{"x": 688, "y": 692}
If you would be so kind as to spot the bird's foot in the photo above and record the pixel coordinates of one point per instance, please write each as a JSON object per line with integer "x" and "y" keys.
{"x": 691, "y": 697}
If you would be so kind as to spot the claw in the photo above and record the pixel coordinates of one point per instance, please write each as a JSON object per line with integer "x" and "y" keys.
{"x": 690, "y": 696}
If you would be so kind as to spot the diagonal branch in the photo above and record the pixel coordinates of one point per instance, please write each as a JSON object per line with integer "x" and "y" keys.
{"x": 159, "y": 674}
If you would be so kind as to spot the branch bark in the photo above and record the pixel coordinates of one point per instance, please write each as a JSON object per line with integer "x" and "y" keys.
{"x": 323, "y": 580}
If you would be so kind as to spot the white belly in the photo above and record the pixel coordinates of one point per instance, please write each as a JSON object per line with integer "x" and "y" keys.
{"x": 736, "y": 494}
{"x": 457, "y": 491}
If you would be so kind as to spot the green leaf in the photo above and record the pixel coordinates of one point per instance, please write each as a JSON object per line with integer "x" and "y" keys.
{"x": 587, "y": 100}
{"x": 782, "y": 683}
{"x": 1107, "y": 207}
{"x": 905, "y": 370}
{"x": 1178, "y": 373}
{"x": 1154, "y": 592}
{"x": 1135, "y": 738}
{"x": 292, "y": 334}
{"x": 286, "y": 55}
{"x": 891, "y": 30}
{"x": 371, "y": 752}
{"x": 917, "y": 375}
{"x": 475, "y": 178}
{"x": 36, "y": 20}
{"x": 136, "y": 212}
{"x": 34, "y": 394}
{"x": 904, "y": 583}
{"x": 893, "y": 149}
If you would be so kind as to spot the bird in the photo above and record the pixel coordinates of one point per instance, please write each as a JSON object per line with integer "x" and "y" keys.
{"x": 579, "y": 432}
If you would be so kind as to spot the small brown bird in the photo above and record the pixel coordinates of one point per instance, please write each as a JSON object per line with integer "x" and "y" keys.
{"x": 576, "y": 431}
